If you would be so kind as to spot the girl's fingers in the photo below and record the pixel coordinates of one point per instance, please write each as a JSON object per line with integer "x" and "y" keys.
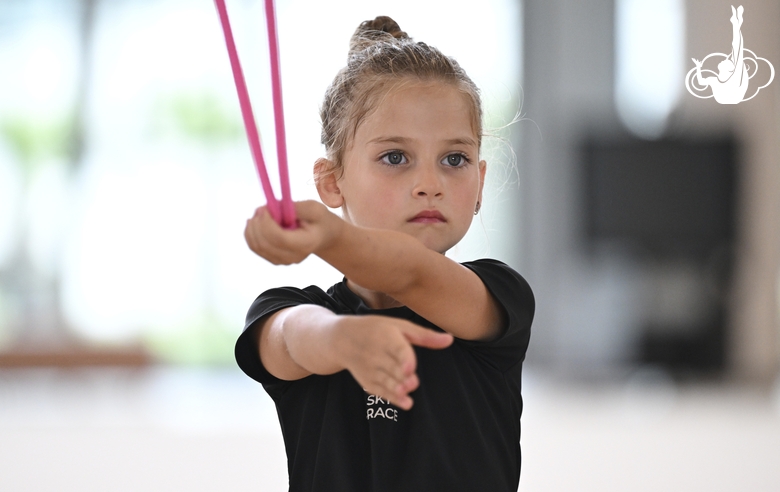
{"x": 285, "y": 246}
{"x": 403, "y": 359}
{"x": 423, "y": 337}
{"x": 266, "y": 238}
{"x": 384, "y": 369}
{"x": 410, "y": 383}
{"x": 394, "y": 391}
{"x": 382, "y": 359}
{"x": 404, "y": 403}
{"x": 381, "y": 373}
{"x": 399, "y": 376}
{"x": 390, "y": 385}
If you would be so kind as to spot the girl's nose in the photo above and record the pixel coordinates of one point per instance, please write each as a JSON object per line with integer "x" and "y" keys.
{"x": 428, "y": 181}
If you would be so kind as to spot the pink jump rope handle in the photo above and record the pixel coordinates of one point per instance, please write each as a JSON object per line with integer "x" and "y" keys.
{"x": 284, "y": 213}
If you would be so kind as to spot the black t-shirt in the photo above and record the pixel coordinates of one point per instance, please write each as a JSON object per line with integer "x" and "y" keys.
{"x": 463, "y": 432}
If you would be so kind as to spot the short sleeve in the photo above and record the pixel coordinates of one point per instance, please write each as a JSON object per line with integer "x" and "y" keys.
{"x": 516, "y": 298}
{"x": 247, "y": 351}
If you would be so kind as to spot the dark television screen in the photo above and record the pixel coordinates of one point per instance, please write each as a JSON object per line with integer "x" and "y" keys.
{"x": 660, "y": 197}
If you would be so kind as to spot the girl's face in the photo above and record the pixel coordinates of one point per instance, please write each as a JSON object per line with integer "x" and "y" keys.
{"x": 413, "y": 166}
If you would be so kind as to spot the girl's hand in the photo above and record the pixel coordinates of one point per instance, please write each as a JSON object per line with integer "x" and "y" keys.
{"x": 378, "y": 351}
{"x": 317, "y": 228}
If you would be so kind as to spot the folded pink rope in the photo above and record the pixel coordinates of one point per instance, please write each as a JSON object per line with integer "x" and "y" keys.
{"x": 284, "y": 212}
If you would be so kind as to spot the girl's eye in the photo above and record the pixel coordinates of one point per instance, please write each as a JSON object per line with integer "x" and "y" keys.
{"x": 394, "y": 158}
{"x": 455, "y": 160}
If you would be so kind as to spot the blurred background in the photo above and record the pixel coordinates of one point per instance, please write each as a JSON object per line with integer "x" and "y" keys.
{"x": 647, "y": 221}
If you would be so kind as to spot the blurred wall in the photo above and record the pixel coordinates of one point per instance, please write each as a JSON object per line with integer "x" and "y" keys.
{"x": 587, "y": 311}
{"x": 755, "y": 344}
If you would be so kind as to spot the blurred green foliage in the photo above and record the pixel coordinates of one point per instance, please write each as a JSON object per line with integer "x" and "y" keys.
{"x": 199, "y": 116}
{"x": 204, "y": 341}
{"x": 34, "y": 140}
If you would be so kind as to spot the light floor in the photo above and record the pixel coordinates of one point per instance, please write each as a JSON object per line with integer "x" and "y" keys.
{"x": 171, "y": 429}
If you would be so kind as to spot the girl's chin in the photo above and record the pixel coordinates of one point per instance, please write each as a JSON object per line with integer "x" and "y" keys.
{"x": 437, "y": 246}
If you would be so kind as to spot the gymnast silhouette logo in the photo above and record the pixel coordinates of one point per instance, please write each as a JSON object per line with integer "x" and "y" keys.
{"x": 735, "y": 71}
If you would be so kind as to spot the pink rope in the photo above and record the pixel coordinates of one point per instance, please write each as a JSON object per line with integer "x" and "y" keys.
{"x": 288, "y": 210}
{"x": 284, "y": 213}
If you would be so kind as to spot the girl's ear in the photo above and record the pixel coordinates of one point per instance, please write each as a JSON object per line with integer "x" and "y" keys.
{"x": 482, "y": 169}
{"x": 327, "y": 183}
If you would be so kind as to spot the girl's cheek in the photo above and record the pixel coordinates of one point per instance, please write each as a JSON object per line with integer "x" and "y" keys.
{"x": 385, "y": 200}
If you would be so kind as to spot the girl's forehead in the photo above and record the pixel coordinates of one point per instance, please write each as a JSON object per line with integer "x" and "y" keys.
{"x": 435, "y": 108}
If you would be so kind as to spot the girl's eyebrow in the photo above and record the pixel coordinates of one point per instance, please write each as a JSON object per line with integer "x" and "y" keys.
{"x": 462, "y": 141}
{"x": 401, "y": 140}
{"x": 406, "y": 140}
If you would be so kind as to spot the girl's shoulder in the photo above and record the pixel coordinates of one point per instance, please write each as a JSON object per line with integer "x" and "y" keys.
{"x": 502, "y": 280}
{"x": 514, "y": 295}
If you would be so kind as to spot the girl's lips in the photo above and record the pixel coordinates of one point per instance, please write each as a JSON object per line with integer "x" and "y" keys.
{"x": 428, "y": 217}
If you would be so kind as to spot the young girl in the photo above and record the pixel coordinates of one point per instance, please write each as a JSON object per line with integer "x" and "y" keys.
{"x": 406, "y": 375}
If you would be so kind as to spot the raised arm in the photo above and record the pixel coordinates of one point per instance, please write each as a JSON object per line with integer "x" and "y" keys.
{"x": 439, "y": 289}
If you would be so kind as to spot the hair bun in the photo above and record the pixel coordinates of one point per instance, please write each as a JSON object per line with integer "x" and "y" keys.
{"x": 382, "y": 28}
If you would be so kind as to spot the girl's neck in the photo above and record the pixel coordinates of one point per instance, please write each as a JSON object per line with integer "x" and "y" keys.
{"x": 372, "y": 298}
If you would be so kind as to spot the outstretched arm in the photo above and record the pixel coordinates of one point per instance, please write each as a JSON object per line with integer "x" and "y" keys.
{"x": 377, "y": 350}
{"x": 439, "y": 289}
